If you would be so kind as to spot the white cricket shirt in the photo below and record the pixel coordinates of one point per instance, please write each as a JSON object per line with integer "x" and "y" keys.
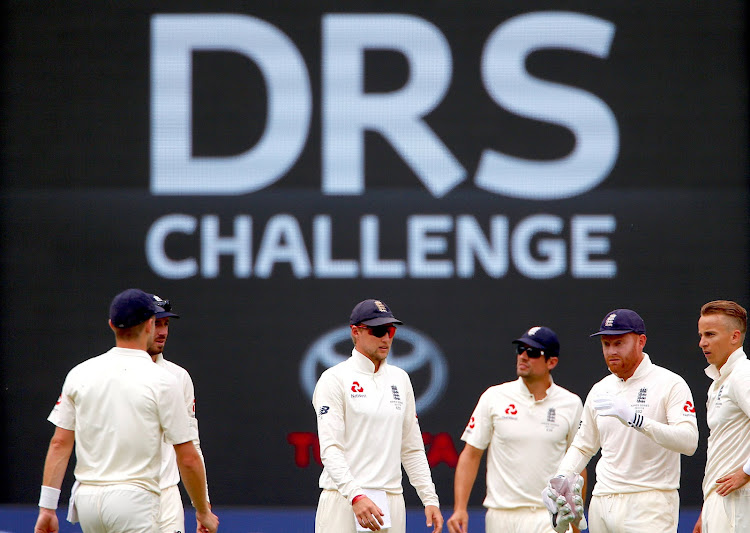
{"x": 636, "y": 460}
{"x": 170, "y": 473}
{"x": 120, "y": 404}
{"x": 728, "y": 415}
{"x": 527, "y": 439}
{"x": 368, "y": 428}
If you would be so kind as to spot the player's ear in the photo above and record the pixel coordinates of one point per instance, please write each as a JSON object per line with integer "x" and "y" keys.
{"x": 552, "y": 362}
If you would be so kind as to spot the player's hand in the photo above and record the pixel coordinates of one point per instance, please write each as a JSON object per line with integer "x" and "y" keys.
{"x": 698, "y": 528}
{"x": 611, "y": 405}
{"x": 46, "y": 522}
{"x": 207, "y": 522}
{"x": 458, "y": 522}
{"x": 368, "y": 514}
{"x": 434, "y": 518}
{"x": 562, "y": 498}
{"x": 727, "y": 484}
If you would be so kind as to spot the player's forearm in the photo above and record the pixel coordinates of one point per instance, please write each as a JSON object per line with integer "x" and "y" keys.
{"x": 420, "y": 477}
{"x": 193, "y": 475}
{"x": 681, "y": 438}
{"x": 197, "y": 444}
{"x": 466, "y": 474}
{"x": 575, "y": 461}
{"x": 58, "y": 455}
{"x": 335, "y": 464}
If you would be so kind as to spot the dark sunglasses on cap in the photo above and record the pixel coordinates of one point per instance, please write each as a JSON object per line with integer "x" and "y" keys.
{"x": 379, "y": 331}
{"x": 531, "y": 352}
{"x": 164, "y": 304}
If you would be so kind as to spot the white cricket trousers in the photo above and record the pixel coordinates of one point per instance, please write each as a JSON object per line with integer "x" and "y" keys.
{"x": 651, "y": 511}
{"x": 727, "y": 514}
{"x": 522, "y": 520}
{"x": 117, "y": 509}
{"x": 335, "y": 515}
{"x": 171, "y": 512}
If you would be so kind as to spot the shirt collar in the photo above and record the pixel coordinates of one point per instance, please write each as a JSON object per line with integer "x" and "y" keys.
{"x": 714, "y": 373}
{"x": 524, "y": 390}
{"x": 130, "y": 352}
{"x": 363, "y": 364}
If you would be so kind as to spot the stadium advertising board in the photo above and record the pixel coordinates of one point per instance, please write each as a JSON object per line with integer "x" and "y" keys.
{"x": 265, "y": 168}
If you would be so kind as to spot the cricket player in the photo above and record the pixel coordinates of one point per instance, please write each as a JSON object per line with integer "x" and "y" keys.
{"x": 171, "y": 512}
{"x": 726, "y": 507}
{"x": 526, "y": 425}
{"x": 116, "y": 409}
{"x": 368, "y": 429}
{"x": 642, "y": 417}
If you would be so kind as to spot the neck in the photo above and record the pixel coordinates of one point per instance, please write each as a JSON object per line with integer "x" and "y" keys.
{"x": 375, "y": 362}
{"x": 134, "y": 344}
{"x": 538, "y": 387}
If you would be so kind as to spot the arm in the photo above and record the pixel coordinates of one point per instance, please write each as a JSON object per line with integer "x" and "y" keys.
{"x": 681, "y": 438}
{"x": 585, "y": 443}
{"x": 413, "y": 455}
{"x": 194, "y": 478}
{"x": 414, "y": 459}
{"x": 189, "y": 396}
{"x": 680, "y": 431}
{"x": 728, "y": 483}
{"x": 466, "y": 474}
{"x": 698, "y": 528}
{"x": 329, "y": 407}
{"x": 585, "y": 476}
{"x": 55, "y": 465}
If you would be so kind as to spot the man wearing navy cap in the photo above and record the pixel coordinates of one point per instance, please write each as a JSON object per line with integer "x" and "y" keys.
{"x": 526, "y": 425}
{"x": 368, "y": 429}
{"x": 642, "y": 416}
{"x": 171, "y": 511}
{"x": 116, "y": 409}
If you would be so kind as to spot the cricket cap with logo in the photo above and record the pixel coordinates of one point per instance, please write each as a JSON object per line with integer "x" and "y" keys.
{"x": 372, "y": 313}
{"x": 543, "y": 338}
{"x": 621, "y": 321}
{"x": 131, "y": 307}
{"x": 164, "y": 307}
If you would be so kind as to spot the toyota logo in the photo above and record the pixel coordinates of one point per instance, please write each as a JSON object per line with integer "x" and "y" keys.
{"x": 412, "y": 352}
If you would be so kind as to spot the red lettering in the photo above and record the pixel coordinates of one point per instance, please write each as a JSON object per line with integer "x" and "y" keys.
{"x": 303, "y": 441}
{"x": 441, "y": 449}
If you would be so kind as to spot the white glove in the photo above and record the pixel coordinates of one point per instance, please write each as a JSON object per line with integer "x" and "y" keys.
{"x": 611, "y": 405}
{"x": 562, "y": 497}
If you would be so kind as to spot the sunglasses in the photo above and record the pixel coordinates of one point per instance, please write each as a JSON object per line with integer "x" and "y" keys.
{"x": 379, "y": 331}
{"x": 164, "y": 304}
{"x": 531, "y": 352}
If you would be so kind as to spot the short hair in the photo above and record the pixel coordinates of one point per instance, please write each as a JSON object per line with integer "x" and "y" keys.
{"x": 728, "y": 308}
{"x": 132, "y": 332}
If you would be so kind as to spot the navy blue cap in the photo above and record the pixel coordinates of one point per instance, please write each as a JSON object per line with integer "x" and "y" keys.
{"x": 621, "y": 321}
{"x": 164, "y": 307}
{"x": 372, "y": 313}
{"x": 543, "y": 338}
{"x": 131, "y": 307}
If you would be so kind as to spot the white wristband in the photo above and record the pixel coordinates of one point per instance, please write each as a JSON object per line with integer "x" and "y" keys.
{"x": 746, "y": 468}
{"x": 48, "y": 497}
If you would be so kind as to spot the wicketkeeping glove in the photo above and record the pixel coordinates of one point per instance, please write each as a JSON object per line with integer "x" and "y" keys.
{"x": 562, "y": 497}
{"x": 610, "y": 405}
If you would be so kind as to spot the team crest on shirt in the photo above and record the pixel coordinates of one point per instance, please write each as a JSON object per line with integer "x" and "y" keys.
{"x": 641, "y": 403}
{"x": 396, "y": 401}
{"x": 719, "y": 394}
{"x": 550, "y": 422}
